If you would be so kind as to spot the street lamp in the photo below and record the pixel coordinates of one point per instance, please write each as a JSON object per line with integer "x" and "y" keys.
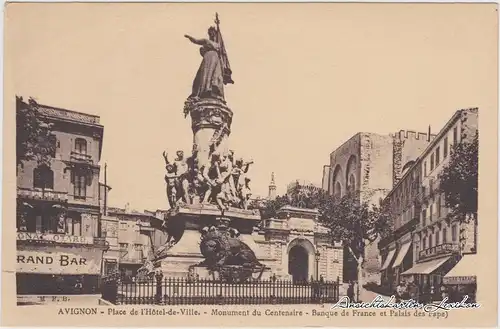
{"x": 317, "y": 255}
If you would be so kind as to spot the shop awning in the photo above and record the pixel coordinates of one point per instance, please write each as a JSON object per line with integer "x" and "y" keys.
{"x": 462, "y": 273}
{"x": 388, "y": 260}
{"x": 426, "y": 267}
{"x": 401, "y": 255}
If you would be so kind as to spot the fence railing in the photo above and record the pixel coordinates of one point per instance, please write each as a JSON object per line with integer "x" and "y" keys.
{"x": 184, "y": 291}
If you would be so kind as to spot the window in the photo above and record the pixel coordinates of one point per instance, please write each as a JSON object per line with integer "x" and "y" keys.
{"x": 425, "y": 168}
{"x": 455, "y": 135}
{"x": 43, "y": 177}
{"x": 54, "y": 143}
{"x": 430, "y": 212}
{"x": 439, "y": 207}
{"x": 424, "y": 243}
{"x": 424, "y": 217}
{"x": 445, "y": 147}
{"x": 445, "y": 235}
{"x": 81, "y": 146}
{"x": 80, "y": 186}
{"x": 437, "y": 238}
{"x": 352, "y": 183}
{"x": 432, "y": 161}
{"x": 437, "y": 155}
{"x": 454, "y": 233}
{"x": 74, "y": 224}
{"x": 338, "y": 190}
{"x": 430, "y": 241}
{"x": 123, "y": 246}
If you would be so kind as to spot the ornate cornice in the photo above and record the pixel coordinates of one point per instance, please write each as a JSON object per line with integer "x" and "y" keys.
{"x": 209, "y": 113}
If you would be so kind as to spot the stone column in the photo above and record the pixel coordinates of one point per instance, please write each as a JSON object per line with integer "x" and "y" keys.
{"x": 211, "y": 124}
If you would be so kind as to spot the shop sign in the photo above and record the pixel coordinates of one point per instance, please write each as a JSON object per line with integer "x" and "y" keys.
{"x": 459, "y": 280}
{"x": 55, "y": 238}
{"x": 59, "y": 261}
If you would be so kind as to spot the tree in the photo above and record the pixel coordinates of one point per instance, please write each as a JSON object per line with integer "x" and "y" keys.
{"x": 33, "y": 134}
{"x": 459, "y": 181}
{"x": 348, "y": 220}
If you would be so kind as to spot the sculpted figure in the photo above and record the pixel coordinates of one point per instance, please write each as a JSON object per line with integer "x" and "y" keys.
{"x": 239, "y": 176}
{"x": 209, "y": 81}
{"x": 182, "y": 170}
{"x": 245, "y": 194}
{"x": 171, "y": 180}
{"x": 224, "y": 196}
{"x": 221, "y": 250}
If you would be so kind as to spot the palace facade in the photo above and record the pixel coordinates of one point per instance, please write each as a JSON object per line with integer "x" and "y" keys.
{"x": 371, "y": 164}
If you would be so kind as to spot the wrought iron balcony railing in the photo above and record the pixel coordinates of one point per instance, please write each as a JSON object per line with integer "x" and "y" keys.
{"x": 439, "y": 250}
{"x": 42, "y": 194}
{"x": 80, "y": 157}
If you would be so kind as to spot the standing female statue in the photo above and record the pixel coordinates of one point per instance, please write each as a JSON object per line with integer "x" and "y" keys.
{"x": 209, "y": 81}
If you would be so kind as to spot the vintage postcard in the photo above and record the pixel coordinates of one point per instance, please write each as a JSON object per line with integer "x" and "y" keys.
{"x": 244, "y": 164}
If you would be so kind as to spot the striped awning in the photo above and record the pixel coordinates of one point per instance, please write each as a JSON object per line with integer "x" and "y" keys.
{"x": 388, "y": 260}
{"x": 463, "y": 272}
{"x": 401, "y": 255}
{"x": 426, "y": 267}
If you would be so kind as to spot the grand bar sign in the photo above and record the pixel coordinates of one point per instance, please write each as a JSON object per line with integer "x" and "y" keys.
{"x": 54, "y": 238}
{"x": 59, "y": 261}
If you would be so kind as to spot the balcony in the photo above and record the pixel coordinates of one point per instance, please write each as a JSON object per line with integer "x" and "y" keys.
{"x": 80, "y": 158}
{"x": 443, "y": 249}
{"x": 42, "y": 194}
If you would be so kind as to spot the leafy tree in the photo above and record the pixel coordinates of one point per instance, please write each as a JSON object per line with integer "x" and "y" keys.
{"x": 33, "y": 134}
{"x": 347, "y": 219}
{"x": 459, "y": 180}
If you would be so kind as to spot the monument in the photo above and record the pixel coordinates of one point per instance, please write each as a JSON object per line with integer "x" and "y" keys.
{"x": 204, "y": 231}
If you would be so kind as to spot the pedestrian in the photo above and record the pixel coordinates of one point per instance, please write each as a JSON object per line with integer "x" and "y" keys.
{"x": 399, "y": 292}
{"x": 444, "y": 292}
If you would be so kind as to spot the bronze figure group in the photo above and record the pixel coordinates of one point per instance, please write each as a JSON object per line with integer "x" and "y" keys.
{"x": 223, "y": 181}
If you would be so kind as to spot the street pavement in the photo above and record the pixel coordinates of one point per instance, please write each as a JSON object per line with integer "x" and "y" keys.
{"x": 366, "y": 295}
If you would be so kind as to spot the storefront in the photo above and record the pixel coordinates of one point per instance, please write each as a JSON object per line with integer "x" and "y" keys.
{"x": 57, "y": 270}
{"x": 403, "y": 260}
{"x": 387, "y": 277}
{"x": 460, "y": 281}
{"x": 429, "y": 275}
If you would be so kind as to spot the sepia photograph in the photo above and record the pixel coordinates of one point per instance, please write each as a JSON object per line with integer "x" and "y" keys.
{"x": 268, "y": 164}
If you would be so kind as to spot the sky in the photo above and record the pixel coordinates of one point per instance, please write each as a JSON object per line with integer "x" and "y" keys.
{"x": 307, "y": 77}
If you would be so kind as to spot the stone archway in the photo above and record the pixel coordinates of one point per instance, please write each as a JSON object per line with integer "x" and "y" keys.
{"x": 301, "y": 261}
{"x": 298, "y": 263}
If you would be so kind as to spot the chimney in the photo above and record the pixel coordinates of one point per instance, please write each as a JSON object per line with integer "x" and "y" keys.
{"x": 429, "y": 134}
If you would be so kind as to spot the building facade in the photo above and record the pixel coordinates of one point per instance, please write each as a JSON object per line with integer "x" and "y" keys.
{"x": 133, "y": 240}
{"x": 371, "y": 164}
{"x": 296, "y": 247}
{"x": 59, "y": 248}
{"x": 424, "y": 236}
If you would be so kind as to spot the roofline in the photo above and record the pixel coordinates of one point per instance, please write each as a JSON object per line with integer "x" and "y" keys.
{"x": 455, "y": 117}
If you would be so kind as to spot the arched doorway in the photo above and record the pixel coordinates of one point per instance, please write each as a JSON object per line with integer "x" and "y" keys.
{"x": 298, "y": 263}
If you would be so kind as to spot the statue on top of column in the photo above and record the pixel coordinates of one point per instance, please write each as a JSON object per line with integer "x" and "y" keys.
{"x": 211, "y": 174}
{"x": 214, "y": 71}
